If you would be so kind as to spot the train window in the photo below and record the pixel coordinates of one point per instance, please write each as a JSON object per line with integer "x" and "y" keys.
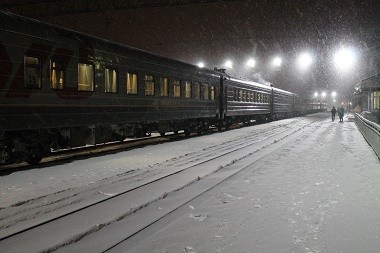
{"x": 243, "y": 98}
{"x": 85, "y": 77}
{"x": 197, "y": 90}
{"x": 240, "y": 95}
{"x": 33, "y": 72}
{"x": 164, "y": 86}
{"x": 188, "y": 89}
{"x": 212, "y": 92}
{"x": 258, "y": 97}
{"x": 57, "y": 75}
{"x": 110, "y": 82}
{"x": 149, "y": 85}
{"x": 131, "y": 83}
{"x": 236, "y": 94}
{"x": 177, "y": 88}
{"x": 205, "y": 91}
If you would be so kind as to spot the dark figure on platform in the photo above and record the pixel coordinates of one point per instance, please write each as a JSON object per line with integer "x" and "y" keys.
{"x": 340, "y": 113}
{"x": 333, "y": 112}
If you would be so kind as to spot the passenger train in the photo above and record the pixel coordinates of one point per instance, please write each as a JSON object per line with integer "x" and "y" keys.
{"x": 61, "y": 89}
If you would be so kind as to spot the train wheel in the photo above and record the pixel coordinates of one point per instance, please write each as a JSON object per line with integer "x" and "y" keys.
{"x": 34, "y": 155}
{"x": 162, "y": 133}
{"x": 34, "y": 159}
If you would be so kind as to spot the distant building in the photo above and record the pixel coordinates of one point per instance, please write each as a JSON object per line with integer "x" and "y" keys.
{"x": 367, "y": 93}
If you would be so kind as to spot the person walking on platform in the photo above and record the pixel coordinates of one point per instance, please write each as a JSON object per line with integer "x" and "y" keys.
{"x": 333, "y": 112}
{"x": 340, "y": 113}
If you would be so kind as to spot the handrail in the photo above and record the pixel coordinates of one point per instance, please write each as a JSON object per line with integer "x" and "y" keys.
{"x": 371, "y": 132}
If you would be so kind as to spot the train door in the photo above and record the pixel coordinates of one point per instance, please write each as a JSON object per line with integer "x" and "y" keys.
{"x": 222, "y": 98}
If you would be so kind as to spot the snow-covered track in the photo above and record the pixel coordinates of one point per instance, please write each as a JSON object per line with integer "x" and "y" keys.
{"x": 73, "y": 218}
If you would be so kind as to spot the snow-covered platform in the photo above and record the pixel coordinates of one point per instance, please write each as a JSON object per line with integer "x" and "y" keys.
{"x": 319, "y": 192}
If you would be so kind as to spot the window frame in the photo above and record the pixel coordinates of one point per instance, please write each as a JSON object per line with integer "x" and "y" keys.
{"x": 132, "y": 72}
{"x": 38, "y": 67}
{"x": 206, "y": 91}
{"x": 163, "y": 84}
{"x": 151, "y": 81}
{"x": 93, "y": 76}
{"x": 63, "y": 70}
{"x": 188, "y": 90}
{"x": 197, "y": 90}
{"x": 176, "y": 85}
{"x": 117, "y": 80}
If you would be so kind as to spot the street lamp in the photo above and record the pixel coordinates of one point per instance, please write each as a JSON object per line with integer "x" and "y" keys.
{"x": 344, "y": 59}
{"x": 228, "y": 64}
{"x": 251, "y": 63}
{"x": 201, "y": 65}
{"x": 304, "y": 60}
{"x": 277, "y": 61}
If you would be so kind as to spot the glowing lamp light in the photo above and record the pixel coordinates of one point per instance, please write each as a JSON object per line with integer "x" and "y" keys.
{"x": 251, "y": 63}
{"x": 324, "y": 94}
{"x": 305, "y": 60}
{"x": 201, "y": 65}
{"x": 344, "y": 59}
{"x": 228, "y": 64}
{"x": 333, "y": 94}
{"x": 277, "y": 62}
{"x": 316, "y": 94}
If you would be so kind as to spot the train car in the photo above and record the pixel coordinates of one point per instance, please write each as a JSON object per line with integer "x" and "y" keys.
{"x": 245, "y": 101}
{"x": 60, "y": 88}
{"x": 284, "y": 104}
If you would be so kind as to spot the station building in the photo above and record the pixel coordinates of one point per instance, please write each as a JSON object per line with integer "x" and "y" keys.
{"x": 367, "y": 93}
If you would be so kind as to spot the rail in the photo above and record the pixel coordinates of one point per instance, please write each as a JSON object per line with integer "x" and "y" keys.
{"x": 370, "y": 131}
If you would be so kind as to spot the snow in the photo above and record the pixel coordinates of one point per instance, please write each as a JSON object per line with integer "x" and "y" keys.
{"x": 315, "y": 188}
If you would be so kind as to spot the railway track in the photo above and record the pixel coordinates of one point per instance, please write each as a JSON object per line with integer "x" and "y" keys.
{"x": 60, "y": 156}
{"x": 78, "y": 215}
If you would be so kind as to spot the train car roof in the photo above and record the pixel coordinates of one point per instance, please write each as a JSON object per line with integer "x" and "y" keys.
{"x": 283, "y": 91}
{"x": 247, "y": 82}
{"x": 97, "y": 40}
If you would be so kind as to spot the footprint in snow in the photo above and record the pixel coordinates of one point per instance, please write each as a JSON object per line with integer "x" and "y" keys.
{"x": 198, "y": 217}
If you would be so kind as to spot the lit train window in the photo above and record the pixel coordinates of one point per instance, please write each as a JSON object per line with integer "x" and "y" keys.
{"x": 236, "y": 94}
{"x": 240, "y": 95}
{"x": 375, "y": 97}
{"x": 177, "y": 88}
{"x": 188, "y": 89}
{"x": 205, "y": 91}
{"x": 164, "y": 86}
{"x": 243, "y": 96}
{"x": 149, "y": 85}
{"x": 212, "y": 92}
{"x": 131, "y": 83}
{"x": 110, "y": 82}
{"x": 197, "y": 90}
{"x": 33, "y": 72}
{"x": 85, "y": 77}
{"x": 57, "y": 75}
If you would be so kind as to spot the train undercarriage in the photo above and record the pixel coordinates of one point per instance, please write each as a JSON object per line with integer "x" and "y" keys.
{"x": 32, "y": 145}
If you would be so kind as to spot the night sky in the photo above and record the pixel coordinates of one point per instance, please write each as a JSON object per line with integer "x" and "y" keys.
{"x": 237, "y": 30}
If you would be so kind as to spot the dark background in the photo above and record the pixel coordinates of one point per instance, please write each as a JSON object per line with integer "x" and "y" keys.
{"x": 213, "y": 31}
